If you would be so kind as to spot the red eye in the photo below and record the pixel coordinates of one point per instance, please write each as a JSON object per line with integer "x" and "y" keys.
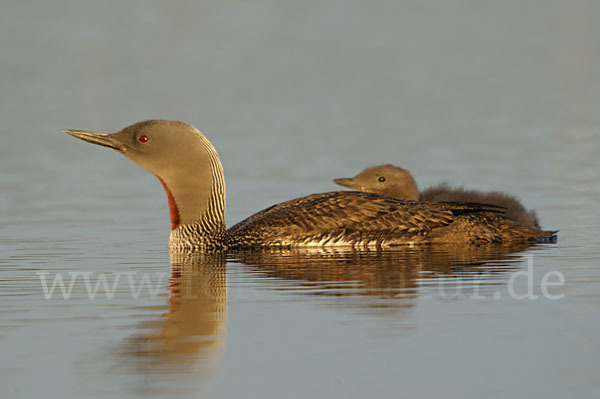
{"x": 143, "y": 139}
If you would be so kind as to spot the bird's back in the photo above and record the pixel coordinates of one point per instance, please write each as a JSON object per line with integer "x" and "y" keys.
{"x": 514, "y": 210}
{"x": 360, "y": 219}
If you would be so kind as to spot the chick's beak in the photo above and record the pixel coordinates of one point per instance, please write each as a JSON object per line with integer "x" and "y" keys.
{"x": 347, "y": 182}
{"x": 103, "y": 139}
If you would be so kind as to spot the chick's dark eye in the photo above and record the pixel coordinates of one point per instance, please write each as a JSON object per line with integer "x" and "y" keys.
{"x": 143, "y": 139}
{"x": 382, "y": 179}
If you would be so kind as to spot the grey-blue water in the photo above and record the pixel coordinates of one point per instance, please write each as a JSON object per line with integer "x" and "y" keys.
{"x": 486, "y": 94}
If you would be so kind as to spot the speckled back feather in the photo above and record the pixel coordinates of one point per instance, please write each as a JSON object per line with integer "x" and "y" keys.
{"x": 361, "y": 219}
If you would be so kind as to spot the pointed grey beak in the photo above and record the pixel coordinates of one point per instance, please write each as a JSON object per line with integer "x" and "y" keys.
{"x": 103, "y": 139}
{"x": 347, "y": 182}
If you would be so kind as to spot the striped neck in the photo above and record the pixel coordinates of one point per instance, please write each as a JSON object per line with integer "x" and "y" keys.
{"x": 198, "y": 235}
{"x": 197, "y": 204}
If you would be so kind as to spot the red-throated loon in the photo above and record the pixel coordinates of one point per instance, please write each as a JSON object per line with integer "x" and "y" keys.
{"x": 396, "y": 182}
{"x": 189, "y": 168}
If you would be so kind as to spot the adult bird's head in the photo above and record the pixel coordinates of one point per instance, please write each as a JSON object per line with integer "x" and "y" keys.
{"x": 387, "y": 180}
{"x": 182, "y": 158}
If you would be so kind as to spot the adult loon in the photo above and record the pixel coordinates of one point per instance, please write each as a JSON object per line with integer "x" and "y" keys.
{"x": 399, "y": 183}
{"x": 190, "y": 170}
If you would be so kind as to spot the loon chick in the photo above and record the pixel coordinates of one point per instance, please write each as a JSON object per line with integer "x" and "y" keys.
{"x": 397, "y": 182}
{"x": 188, "y": 166}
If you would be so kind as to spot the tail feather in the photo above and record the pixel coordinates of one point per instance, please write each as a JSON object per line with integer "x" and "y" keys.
{"x": 547, "y": 236}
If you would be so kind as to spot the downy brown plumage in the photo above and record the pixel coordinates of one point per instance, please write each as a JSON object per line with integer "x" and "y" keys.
{"x": 399, "y": 183}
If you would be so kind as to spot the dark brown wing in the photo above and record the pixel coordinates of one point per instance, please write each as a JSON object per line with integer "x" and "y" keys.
{"x": 468, "y": 207}
{"x": 343, "y": 217}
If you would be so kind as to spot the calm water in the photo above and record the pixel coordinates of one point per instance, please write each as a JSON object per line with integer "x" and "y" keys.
{"x": 491, "y": 95}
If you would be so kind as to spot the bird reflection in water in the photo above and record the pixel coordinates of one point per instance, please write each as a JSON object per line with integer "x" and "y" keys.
{"x": 383, "y": 279}
{"x": 191, "y": 334}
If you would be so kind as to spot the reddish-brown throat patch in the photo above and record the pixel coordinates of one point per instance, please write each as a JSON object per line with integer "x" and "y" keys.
{"x": 173, "y": 209}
